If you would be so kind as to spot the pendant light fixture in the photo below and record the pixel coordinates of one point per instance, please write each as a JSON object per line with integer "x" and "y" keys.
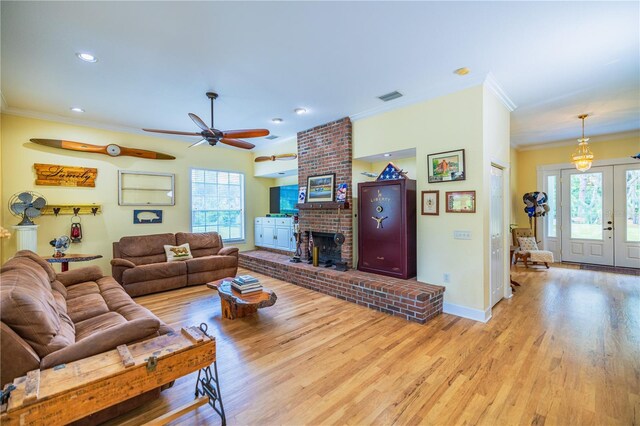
{"x": 583, "y": 157}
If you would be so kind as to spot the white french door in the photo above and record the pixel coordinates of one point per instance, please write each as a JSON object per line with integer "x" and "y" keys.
{"x": 626, "y": 224}
{"x": 587, "y": 219}
{"x": 601, "y": 215}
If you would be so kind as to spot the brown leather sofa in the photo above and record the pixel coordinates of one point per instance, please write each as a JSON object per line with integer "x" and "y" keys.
{"x": 50, "y": 319}
{"x": 140, "y": 263}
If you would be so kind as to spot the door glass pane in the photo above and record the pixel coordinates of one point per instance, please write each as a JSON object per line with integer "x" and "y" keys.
{"x": 633, "y": 205}
{"x": 552, "y": 226}
{"x": 586, "y": 206}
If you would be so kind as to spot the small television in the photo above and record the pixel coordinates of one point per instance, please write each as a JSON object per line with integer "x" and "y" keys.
{"x": 283, "y": 199}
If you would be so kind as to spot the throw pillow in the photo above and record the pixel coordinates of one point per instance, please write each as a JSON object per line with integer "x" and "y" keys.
{"x": 527, "y": 243}
{"x": 181, "y": 252}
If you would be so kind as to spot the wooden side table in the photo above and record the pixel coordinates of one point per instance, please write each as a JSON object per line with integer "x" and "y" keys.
{"x": 234, "y": 305}
{"x": 64, "y": 261}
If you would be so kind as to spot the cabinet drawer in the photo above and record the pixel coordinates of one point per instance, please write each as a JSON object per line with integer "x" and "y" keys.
{"x": 268, "y": 221}
{"x": 283, "y": 221}
{"x": 259, "y": 220}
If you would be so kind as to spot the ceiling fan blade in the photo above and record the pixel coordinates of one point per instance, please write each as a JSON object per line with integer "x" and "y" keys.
{"x": 199, "y": 122}
{"x": 261, "y": 159}
{"x": 237, "y": 143}
{"x": 200, "y": 142}
{"x": 247, "y": 133}
{"x": 172, "y": 132}
{"x": 286, "y": 156}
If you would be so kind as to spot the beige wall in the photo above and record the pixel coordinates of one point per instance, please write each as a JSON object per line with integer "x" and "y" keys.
{"x": 447, "y": 123}
{"x": 18, "y": 156}
{"x": 603, "y": 147}
{"x": 288, "y": 146}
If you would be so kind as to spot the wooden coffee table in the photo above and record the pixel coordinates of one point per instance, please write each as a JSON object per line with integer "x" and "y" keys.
{"x": 235, "y": 305}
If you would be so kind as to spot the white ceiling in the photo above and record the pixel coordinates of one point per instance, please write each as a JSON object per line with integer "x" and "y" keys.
{"x": 555, "y": 60}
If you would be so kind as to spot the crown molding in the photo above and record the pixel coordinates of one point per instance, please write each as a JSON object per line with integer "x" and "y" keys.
{"x": 492, "y": 84}
{"x": 569, "y": 142}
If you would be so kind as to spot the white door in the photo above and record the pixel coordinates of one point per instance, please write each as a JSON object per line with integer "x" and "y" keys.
{"x": 268, "y": 233}
{"x": 587, "y": 216}
{"x": 626, "y": 196}
{"x": 496, "y": 228}
{"x": 282, "y": 238}
{"x": 258, "y": 232}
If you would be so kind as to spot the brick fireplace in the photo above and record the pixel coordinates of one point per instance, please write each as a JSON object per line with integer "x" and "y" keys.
{"x": 322, "y": 150}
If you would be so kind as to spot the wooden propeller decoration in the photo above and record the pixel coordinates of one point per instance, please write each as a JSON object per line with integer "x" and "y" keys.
{"x": 213, "y": 136}
{"x": 276, "y": 157}
{"x": 112, "y": 150}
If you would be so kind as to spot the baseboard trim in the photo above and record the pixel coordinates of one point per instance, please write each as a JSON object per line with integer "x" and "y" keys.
{"x": 464, "y": 312}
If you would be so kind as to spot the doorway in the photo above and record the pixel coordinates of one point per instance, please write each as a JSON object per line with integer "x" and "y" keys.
{"x": 601, "y": 215}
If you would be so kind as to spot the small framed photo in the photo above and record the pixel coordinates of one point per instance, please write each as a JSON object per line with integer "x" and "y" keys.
{"x": 430, "y": 203}
{"x": 341, "y": 194}
{"x": 446, "y": 166}
{"x": 147, "y": 216}
{"x": 461, "y": 202}
{"x": 302, "y": 195}
{"x": 320, "y": 188}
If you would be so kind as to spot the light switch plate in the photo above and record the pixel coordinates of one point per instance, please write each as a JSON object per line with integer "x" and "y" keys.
{"x": 462, "y": 235}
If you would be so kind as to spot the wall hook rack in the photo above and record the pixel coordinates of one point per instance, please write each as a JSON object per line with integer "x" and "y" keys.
{"x": 72, "y": 209}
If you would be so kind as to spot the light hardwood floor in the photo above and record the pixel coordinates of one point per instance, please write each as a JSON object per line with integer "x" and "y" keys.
{"x": 564, "y": 350}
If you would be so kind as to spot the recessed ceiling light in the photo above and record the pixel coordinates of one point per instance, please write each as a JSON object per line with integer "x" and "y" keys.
{"x": 300, "y": 111}
{"x": 462, "y": 71}
{"x": 387, "y": 155}
{"x": 87, "y": 57}
{"x": 277, "y": 120}
{"x": 76, "y": 109}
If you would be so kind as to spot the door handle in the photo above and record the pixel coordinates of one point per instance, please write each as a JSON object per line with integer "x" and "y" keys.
{"x": 608, "y": 229}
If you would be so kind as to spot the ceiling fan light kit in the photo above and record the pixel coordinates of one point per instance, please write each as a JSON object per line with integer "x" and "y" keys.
{"x": 583, "y": 157}
{"x": 212, "y": 135}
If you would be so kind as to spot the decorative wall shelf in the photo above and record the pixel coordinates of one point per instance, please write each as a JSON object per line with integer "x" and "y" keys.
{"x": 323, "y": 206}
{"x": 70, "y": 209}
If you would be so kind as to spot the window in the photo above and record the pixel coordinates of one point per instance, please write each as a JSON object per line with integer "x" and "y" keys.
{"x": 217, "y": 203}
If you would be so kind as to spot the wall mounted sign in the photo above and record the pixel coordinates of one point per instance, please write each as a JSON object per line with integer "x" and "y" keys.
{"x": 57, "y": 175}
{"x": 446, "y": 166}
{"x": 147, "y": 216}
{"x": 461, "y": 202}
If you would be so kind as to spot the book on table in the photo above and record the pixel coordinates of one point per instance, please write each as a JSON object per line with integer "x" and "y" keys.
{"x": 245, "y": 279}
{"x": 244, "y": 290}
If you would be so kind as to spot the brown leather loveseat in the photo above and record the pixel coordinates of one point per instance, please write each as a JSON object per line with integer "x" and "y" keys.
{"x": 140, "y": 263}
{"x": 50, "y": 319}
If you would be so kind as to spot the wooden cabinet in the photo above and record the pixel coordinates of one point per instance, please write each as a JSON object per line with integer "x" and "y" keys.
{"x": 387, "y": 228}
{"x": 274, "y": 232}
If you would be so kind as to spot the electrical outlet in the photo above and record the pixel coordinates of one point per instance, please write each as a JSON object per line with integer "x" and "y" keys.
{"x": 461, "y": 235}
{"x": 446, "y": 278}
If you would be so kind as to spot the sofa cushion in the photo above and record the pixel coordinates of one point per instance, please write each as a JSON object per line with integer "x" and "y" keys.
{"x": 85, "y": 301}
{"x": 98, "y": 323}
{"x": 30, "y": 310}
{"x": 201, "y": 243}
{"x": 210, "y": 263}
{"x": 46, "y": 266}
{"x": 177, "y": 253}
{"x": 153, "y": 272}
{"x": 36, "y": 274}
{"x": 145, "y": 249}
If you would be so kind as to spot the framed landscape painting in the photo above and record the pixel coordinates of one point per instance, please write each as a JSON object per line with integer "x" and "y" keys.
{"x": 320, "y": 188}
{"x": 446, "y": 166}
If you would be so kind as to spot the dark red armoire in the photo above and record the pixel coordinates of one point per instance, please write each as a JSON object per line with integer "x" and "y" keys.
{"x": 387, "y": 227}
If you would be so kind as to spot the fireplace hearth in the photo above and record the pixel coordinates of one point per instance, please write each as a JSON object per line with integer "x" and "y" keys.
{"x": 330, "y": 252}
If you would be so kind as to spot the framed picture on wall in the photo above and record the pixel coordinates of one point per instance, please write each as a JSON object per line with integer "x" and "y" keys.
{"x": 461, "y": 202}
{"x": 430, "y": 203}
{"x": 446, "y": 166}
{"x": 320, "y": 188}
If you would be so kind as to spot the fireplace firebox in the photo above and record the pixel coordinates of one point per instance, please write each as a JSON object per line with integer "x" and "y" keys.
{"x": 330, "y": 252}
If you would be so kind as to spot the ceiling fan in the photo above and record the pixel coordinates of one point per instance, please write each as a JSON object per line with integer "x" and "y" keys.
{"x": 213, "y": 136}
{"x": 276, "y": 157}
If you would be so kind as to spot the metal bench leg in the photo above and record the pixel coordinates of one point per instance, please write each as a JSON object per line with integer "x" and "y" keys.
{"x": 208, "y": 384}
